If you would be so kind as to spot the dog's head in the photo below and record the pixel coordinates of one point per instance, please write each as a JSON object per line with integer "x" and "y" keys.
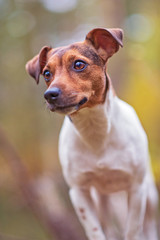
{"x": 75, "y": 75}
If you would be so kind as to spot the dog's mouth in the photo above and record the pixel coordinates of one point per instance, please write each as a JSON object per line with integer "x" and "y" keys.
{"x": 66, "y": 109}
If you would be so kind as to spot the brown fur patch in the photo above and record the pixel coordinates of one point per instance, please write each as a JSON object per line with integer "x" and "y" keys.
{"x": 81, "y": 210}
{"x": 75, "y": 85}
{"x": 95, "y": 229}
{"x": 89, "y": 53}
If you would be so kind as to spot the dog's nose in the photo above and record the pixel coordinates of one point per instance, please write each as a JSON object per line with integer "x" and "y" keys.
{"x": 52, "y": 94}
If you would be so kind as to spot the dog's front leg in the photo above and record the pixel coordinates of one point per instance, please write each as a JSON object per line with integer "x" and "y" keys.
{"x": 85, "y": 210}
{"x": 136, "y": 212}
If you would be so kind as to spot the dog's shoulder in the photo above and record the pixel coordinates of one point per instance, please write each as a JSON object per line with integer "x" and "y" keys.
{"x": 127, "y": 126}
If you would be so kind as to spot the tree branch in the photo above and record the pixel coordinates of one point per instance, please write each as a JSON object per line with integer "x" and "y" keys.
{"x": 59, "y": 226}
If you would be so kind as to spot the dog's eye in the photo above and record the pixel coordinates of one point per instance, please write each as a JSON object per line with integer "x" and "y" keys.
{"x": 79, "y": 65}
{"x": 47, "y": 75}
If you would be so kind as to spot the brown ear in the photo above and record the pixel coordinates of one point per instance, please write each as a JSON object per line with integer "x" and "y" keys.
{"x": 106, "y": 41}
{"x": 35, "y": 65}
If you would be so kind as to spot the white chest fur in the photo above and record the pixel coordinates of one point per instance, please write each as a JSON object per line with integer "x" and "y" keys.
{"x": 104, "y": 147}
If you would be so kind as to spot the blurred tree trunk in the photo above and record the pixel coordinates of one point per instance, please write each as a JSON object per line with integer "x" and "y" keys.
{"x": 113, "y": 13}
{"x": 59, "y": 226}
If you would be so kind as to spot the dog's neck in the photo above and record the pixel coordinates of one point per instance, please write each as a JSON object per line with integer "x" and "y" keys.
{"x": 92, "y": 124}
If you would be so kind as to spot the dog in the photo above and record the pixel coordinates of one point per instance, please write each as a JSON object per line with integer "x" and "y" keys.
{"x": 103, "y": 148}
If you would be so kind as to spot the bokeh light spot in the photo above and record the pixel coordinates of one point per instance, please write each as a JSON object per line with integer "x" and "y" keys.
{"x": 138, "y": 28}
{"x": 59, "y": 6}
{"x": 20, "y": 23}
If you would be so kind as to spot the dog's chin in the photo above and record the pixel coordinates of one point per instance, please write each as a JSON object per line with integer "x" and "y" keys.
{"x": 62, "y": 110}
{"x": 66, "y": 109}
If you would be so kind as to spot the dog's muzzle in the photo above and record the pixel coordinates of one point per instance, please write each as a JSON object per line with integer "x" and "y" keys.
{"x": 55, "y": 102}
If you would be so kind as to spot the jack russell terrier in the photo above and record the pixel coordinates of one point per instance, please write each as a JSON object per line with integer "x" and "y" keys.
{"x": 103, "y": 148}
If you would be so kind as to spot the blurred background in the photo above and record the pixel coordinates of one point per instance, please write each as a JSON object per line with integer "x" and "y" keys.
{"x": 25, "y": 27}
